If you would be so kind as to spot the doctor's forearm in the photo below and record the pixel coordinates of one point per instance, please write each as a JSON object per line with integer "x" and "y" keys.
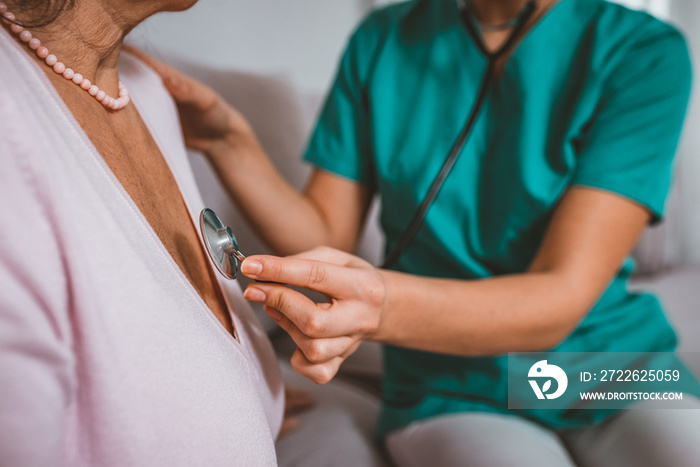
{"x": 283, "y": 217}
{"x": 524, "y": 312}
{"x": 588, "y": 237}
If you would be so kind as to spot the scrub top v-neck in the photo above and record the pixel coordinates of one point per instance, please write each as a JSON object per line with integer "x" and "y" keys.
{"x": 594, "y": 95}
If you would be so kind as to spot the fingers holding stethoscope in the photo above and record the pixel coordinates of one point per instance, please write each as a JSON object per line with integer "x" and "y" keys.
{"x": 313, "y": 319}
{"x": 356, "y": 312}
{"x": 325, "y": 333}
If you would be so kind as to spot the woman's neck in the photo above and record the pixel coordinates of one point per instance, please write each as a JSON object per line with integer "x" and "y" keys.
{"x": 87, "y": 38}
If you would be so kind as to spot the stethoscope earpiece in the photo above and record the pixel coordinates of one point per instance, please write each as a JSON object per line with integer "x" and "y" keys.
{"x": 221, "y": 244}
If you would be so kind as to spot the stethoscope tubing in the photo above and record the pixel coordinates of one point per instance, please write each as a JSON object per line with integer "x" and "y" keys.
{"x": 418, "y": 218}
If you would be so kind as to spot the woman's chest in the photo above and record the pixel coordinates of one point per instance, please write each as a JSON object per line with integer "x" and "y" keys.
{"x": 146, "y": 347}
{"x": 127, "y": 147}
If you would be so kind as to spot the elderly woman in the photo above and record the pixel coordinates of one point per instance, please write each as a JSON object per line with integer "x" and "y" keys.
{"x": 118, "y": 345}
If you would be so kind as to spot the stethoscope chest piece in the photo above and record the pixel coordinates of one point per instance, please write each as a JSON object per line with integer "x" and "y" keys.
{"x": 221, "y": 244}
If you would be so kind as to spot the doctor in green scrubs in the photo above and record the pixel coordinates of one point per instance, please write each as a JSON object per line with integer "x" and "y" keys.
{"x": 525, "y": 247}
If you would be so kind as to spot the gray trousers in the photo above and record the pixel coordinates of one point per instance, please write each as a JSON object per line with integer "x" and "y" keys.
{"x": 636, "y": 437}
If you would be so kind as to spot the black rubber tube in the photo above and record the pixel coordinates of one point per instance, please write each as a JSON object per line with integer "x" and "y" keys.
{"x": 419, "y": 216}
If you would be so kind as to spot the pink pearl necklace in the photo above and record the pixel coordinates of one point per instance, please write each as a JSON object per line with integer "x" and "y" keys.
{"x": 51, "y": 60}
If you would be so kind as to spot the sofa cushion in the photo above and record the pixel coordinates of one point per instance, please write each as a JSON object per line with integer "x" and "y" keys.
{"x": 338, "y": 431}
{"x": 679, "y": 292}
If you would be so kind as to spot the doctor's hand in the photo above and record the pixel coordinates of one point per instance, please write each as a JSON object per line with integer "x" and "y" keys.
{"x": 325, "y": 333}
{"x": 209, "y": 123}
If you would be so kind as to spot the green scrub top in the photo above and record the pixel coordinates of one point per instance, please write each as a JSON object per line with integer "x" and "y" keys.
{"x": 594, "y": 95}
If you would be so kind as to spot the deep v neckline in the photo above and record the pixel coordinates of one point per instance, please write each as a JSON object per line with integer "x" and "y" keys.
{"x": 179, "y": 275}
{"x": 194, "y": 219}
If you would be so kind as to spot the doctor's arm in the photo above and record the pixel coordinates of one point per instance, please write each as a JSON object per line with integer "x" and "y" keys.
{"x": 590, "y": 234}
{"x": 330, "y": 211}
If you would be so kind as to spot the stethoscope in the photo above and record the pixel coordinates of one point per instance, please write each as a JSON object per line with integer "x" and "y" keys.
{"x": 221, "y": 243}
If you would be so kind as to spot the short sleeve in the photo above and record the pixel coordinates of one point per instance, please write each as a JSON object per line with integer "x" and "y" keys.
{"x": 341, "y": 141}
{"x": 629, "y": 146}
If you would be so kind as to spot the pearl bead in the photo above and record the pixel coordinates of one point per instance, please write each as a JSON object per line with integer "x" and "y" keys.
{"x": 60, "y": 68}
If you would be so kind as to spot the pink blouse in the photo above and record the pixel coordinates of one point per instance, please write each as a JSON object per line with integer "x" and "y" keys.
{"x": 108, "y": 356}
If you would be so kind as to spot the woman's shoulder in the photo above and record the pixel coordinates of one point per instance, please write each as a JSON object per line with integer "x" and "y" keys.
{"x": 624, "y": 29}
{"x": 387, "y": 16}
{"x": 629, "y": 45}
{"x": 156, "y": 106}
{"x": 407, "y": 20}
{"x": 387, "y": 29}
{"x": 625, "y": 18}
{"x": 21, "y": 116}
{"x": 144, "y": 85}
{"x": 377, "y": 25}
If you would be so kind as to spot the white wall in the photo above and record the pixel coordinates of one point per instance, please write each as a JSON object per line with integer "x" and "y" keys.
{"x": 660, "y": 8}
{"x": 302, "y": 38}
{"x": 684, "y": 219}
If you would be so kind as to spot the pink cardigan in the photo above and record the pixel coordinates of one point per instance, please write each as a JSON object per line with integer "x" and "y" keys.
{"x": 108, "y": 356}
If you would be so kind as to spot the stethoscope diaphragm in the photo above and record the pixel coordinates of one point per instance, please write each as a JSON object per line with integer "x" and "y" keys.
{"x": 220, "y": 243}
